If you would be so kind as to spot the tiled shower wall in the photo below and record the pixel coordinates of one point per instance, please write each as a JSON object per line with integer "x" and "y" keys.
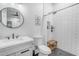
{"x": 67, "y": 28}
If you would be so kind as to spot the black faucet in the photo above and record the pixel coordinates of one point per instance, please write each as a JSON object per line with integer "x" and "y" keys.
{"x": 13, "y": 36}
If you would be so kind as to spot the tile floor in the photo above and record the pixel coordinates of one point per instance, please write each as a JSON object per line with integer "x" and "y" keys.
{"x": 59, "y": 52}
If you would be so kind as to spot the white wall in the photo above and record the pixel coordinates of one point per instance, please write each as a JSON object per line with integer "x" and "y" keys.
{"x": 29, "y": 11}
{"x": 67, "y": 28}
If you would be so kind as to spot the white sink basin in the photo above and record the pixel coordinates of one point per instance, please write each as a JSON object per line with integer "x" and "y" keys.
{"x": 6, "y": 43}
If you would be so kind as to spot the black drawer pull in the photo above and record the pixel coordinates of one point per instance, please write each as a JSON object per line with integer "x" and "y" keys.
{"x": 24, "y": 51}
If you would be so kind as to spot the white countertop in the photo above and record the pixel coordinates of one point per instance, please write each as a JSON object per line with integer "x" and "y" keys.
{"x": 6, "y": 43}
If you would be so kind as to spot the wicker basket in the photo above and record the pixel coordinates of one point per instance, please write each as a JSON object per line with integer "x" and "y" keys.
{"x": 52, "y": 44}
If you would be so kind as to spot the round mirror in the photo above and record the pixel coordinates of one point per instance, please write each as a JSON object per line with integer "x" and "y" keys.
{"x": 11, "y": 17}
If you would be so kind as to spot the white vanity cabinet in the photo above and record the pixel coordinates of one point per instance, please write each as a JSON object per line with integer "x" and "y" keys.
{"x": 22, "y": 49}
{"x": 26, "y": 50}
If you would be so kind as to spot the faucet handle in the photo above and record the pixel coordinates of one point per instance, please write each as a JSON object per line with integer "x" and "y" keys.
{"x": 17, "y": 36}
{"x": 7, "y": 37}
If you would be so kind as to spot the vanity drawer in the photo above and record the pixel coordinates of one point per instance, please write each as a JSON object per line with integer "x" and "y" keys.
{"x": 26, "y": 52}
{"x": 23, "y": 52}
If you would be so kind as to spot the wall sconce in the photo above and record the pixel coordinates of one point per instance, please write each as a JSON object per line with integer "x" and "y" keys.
{"x": 48, "y": 24}
{"x": 52, "y": 28}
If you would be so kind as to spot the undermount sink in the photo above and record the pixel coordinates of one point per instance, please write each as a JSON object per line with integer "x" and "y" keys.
{"x": 9, "y": 42}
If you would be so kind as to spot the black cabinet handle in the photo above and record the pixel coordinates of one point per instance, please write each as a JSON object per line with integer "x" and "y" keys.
{"x": 24, "y": 51}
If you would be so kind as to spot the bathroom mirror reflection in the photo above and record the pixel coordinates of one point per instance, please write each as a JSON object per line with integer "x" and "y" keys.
{"x": 11, "y": 17}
